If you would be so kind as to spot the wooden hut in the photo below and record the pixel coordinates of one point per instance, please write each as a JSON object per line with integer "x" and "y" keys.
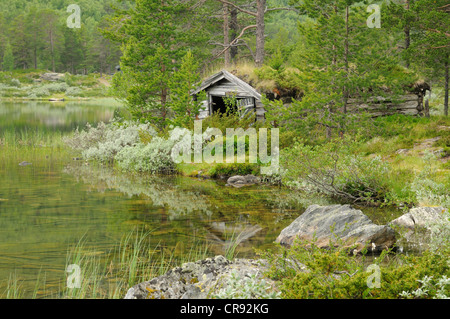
{"x": 224, "y": 84}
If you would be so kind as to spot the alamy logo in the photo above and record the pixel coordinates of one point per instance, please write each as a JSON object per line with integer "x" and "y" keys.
{"x": 374, "y": 280}
{"x": 374, "y": 20}
{"x": 191, "y": 146}
{"x": 74, "y": 20}
{"x": 74, "y": 278}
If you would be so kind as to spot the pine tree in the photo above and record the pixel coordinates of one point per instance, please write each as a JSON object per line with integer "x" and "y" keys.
{"x": 183, "y": 81}
{"x": 8, "y": 58}
{"x": 19, "y": 42}
{"x": 343, "y": 59}
{"x": 430, "y": 42}
{"x": 155, "y": 39}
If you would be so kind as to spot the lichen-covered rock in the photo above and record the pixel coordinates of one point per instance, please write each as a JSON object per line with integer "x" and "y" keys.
{"x": 351, "y": 226}
{"x": 240, "y": 181}
{"x": 421, "y": 228}
{"x": 421, "y": 217}
{"x": 52, "y": 76}
{"x": 196, "y": 280}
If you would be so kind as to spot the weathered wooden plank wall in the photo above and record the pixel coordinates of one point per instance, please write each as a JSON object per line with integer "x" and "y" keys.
{"x": 409, "y": 104}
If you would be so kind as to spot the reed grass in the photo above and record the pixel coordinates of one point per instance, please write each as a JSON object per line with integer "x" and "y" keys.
{"x": 108, "y": 276}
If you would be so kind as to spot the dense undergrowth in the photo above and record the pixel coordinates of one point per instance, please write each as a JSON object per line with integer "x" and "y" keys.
{"x": 305, "y": 271}
{"x": 27, "y": 84}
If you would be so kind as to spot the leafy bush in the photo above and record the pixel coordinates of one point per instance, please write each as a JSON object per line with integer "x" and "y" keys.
{"x": 334, "y": 169}
{"x": 73, "y": 91}
{"x": 436, "y": 290}
{"x": 105, "y": 141}
{"x": 15, "y": 82}
{"x": 133, "y": 146}
{"x": 56, "y": 87}
{"x": 39, "y": 92}
{"x": 153, "y": 157}
{"x": 222, "y": 121}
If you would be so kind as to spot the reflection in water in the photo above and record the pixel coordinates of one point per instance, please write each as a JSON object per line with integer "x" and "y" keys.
{"x": 159, "y": 190}
{"x": 48, "y": 116}
{"x": 182, "y": 198}
{"x": 223, "y": 217}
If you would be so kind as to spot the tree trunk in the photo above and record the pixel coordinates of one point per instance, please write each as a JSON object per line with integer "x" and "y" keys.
{"x": 260, "y": 41}
{"x": 35, "y": 58}
{"x": 226, "y": 35}
{"x": 233, "y": 32}
{"x": 345, "y": 93}
{"x": 52, "y": 51}
{"x": 407, "y": 35}
{"x": 446, "y": 88}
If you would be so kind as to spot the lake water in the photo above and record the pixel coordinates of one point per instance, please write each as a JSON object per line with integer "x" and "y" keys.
{"x": 48, "y": 206}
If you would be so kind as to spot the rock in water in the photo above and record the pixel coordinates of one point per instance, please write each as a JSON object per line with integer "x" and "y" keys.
{"x": 325, "y": 223}
{"x": 24, "y": 163}
{"x": 240, "y": 181}
{"x": 420, "y": 216}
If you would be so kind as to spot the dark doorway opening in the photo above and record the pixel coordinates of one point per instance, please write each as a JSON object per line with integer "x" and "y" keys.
{"x": 218, "y": 104}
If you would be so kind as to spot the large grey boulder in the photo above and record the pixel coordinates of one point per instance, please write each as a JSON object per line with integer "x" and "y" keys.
{"x": 420, "y": 217}
{"x": 325, "y": 223}
{"x": 197, "y": 280}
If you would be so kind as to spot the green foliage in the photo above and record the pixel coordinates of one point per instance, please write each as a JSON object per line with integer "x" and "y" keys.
{"x": 104, "y": 142}
{"x": 428, "y": 190}
{"x": 334, "y": 169}
{"x": 249, "y": 287}
{"x": 224, "y": 169}
{"x": 342, "y": 59}
{"x": 307, "y": 271}
{"x": 40, "y": 38}
{"x": 153, "y": 157}
{"x": 8, "y": 58}
{"x": 155, "y": 40}
{"x": 230, "y": 119}
{"x": 183, "y": 81}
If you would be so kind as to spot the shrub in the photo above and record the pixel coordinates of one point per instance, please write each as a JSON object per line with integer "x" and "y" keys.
{"x": 56, "y": 87}
{"x": 307, "y": 271}
{"x": 153, "y": 157}
{"x": 133, "y": 146}
{"x": 427, "y": 189}
{"x": 437, "y": 289}
{"x": 334, "y": 169}
{"x": 15, "y": 83}
{"x": 39, "y": 92}
{"x": 73, "y": 91}
{"x": 103, "y": 142}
